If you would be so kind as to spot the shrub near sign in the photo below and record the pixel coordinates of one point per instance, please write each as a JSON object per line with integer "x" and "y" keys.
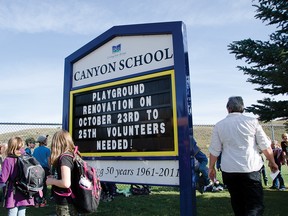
{"x": 131, "y": 116}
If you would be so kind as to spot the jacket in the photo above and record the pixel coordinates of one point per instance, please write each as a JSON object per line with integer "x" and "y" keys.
{"x": 13, "y": 197}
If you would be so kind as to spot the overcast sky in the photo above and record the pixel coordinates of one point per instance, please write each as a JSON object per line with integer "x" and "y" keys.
{"x": 36, "y": 36}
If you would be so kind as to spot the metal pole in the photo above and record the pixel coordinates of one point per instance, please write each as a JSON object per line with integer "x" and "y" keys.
{"x": 272, "y": 131}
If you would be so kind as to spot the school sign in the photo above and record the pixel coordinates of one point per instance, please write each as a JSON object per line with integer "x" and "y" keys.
{"x": 127, "y": 105}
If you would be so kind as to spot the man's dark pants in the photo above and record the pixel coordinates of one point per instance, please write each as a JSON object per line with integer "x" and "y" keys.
{"x": 246, "y": 193}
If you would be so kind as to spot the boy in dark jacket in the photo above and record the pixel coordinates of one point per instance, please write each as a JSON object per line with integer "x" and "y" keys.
{"x": 201, "y": 169}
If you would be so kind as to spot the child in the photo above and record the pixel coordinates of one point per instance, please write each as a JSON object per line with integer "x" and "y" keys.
{"x": 3, "y": 153}
{"x": 30, "y": 142}
{"x": 61, "y": 180}
{"x": 42, "y": 154}
{"x": 200, "y": 167}
{"x": 279, "y": 160}
{"x": 15, "y": 201}
{"x": 284, "y": 145}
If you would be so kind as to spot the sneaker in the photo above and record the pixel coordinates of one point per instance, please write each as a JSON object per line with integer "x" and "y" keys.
{"x": 42, "y": 205}
{"x": 36, "y": 205}
{"x": 201, "y": 189}
{"x": 110, "y": 198}
{"x": 282, "y": 188}
{"x": 208, "y": 188}
{"x": 219, "y": 188}
{"x": 105, "y": 197}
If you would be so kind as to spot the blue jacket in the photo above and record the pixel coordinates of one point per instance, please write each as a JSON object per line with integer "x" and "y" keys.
{"x": 42, "y": 154}
{"x": 197, "y": 153}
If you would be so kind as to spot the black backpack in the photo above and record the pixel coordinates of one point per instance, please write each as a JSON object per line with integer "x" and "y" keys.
{"x": 140, "y": 189}
{"x": 31, "y": 176}
{"x": 85, "y": 189}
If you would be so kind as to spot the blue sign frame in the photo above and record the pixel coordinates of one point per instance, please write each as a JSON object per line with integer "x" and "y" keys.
{"x": 183, "y": 96}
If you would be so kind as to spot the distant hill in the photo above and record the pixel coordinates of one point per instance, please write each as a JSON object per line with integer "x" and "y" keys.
{"x": 202, "y": 133}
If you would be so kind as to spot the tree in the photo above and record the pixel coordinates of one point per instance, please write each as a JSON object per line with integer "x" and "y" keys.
{"x": 267, "y": 61}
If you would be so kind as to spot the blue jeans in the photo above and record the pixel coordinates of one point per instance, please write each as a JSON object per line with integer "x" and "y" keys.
{"x": 278, "y": 182}
{"x": 203, "y": 161}
{"x": 17, "y": 211}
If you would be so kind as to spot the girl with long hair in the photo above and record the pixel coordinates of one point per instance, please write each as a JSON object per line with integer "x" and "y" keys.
{"x": 15, "y": 201}
{"x": 61, "y": 179}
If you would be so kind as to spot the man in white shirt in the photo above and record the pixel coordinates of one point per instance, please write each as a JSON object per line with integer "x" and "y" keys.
{"x": 239, "y": 138}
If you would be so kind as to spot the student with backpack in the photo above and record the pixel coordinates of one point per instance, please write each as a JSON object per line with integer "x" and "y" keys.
{"x": 75, "y": 186}
{"x": 61, "y": 179}
{"x": 15, "y": 201}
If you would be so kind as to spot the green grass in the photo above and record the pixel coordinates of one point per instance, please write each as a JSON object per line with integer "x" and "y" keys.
{"x": 168, "y": 204}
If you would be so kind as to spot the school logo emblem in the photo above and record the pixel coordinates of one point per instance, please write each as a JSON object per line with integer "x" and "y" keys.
{"x": 116, "y": 49}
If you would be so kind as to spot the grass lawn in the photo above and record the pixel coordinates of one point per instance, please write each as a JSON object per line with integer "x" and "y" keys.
{"x": 163, "y": 202}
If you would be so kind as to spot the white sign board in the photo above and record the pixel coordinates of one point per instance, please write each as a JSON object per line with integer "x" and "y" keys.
{"x": 123, "y": 56}
{"x": 159, "y": 172}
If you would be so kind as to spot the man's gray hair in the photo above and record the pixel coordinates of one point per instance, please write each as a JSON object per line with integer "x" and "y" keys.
{"x": 235, "y": 104}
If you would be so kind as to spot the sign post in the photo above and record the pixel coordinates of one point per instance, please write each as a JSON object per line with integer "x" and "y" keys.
{"x": 127, "y": 105}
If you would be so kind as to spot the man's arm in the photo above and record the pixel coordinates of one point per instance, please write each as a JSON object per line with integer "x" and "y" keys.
{"x": 270, "y": 157}
{"x": 212, "y": 170}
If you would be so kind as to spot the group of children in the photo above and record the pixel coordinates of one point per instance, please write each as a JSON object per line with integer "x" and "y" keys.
{"x": 59, "y": 179}
{"x": 16, "y": 202}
